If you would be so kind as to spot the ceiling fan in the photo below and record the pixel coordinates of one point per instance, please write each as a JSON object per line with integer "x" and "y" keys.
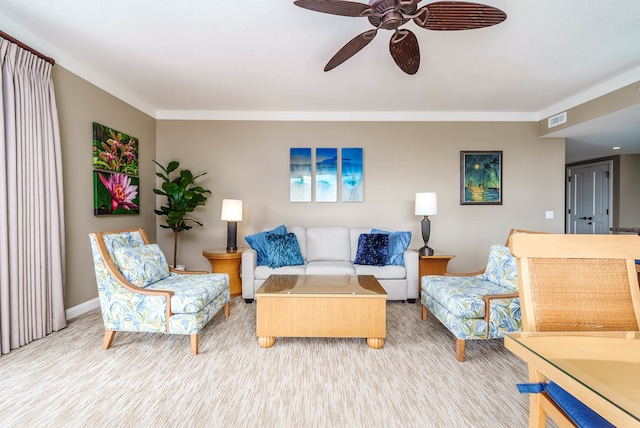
{"x": 392, "y": 14}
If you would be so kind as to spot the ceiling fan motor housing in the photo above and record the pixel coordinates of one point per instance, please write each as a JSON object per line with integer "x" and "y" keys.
{"x": 389, "y": 14}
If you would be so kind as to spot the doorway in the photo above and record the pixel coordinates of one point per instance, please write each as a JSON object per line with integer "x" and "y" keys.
{"x": 589, "y": 198}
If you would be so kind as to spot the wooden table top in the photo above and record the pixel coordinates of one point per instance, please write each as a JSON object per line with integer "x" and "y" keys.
{"x": 602, "y": 369}
{"x": 340, "y": 285}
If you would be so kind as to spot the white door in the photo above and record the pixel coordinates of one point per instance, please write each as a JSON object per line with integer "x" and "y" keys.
{"x": 588, "y": 198}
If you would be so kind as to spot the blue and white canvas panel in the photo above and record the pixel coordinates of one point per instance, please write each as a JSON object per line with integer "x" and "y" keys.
{"x": 300, "y": 175}
{"x": 352, "y": 175}
{"x": 326, "y": 175}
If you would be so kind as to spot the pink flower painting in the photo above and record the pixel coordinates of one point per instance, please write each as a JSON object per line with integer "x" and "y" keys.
{"x": 115, "y": 193}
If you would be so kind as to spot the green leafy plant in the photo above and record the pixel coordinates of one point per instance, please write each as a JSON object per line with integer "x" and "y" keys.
{"x": 183, "y": 197}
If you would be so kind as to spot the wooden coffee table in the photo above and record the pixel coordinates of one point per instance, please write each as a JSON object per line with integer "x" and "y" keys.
{"x": 321, "y": 306}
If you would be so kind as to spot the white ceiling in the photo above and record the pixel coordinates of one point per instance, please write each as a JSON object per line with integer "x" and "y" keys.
{"x": 259, "y": 59}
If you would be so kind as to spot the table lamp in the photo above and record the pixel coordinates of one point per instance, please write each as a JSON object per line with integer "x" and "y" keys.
{"x": 426, "y": 205}
{"x": 232, "y": 214}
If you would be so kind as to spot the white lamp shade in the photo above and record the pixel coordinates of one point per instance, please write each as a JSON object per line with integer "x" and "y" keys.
{"x": 231, "y": 210}
{"x": 426, "y": 203}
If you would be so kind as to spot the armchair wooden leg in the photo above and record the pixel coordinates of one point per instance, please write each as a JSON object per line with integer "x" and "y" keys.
{"x": 460, "y": 350}
{"x": 226, "y": 310}
{"x": 424, "y": 313}
{"x": 194, "y": 344}
{"x": 108, "y": 338}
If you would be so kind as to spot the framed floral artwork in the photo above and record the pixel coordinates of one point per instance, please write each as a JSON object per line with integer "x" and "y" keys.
{"x": 115, "y": 172}
{"x": 115, "y": 193}
{"x": 481, "y": 178}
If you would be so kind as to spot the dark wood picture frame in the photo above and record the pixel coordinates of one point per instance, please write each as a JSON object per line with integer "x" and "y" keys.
{"x": 481, "y": 177}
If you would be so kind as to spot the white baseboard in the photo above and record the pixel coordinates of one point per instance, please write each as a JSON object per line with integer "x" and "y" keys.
{"x": 83, "y": 308}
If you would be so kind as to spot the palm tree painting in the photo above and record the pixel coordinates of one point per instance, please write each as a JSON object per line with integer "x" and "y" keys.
{"x": 481, "y": 177}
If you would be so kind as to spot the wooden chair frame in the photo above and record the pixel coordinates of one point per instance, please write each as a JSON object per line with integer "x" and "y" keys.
{"x": 581, "y": 249}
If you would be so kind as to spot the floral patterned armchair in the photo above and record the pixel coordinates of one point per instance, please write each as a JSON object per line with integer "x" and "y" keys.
{"x": 479, "y": 305}
{"x": 139, "y": 292}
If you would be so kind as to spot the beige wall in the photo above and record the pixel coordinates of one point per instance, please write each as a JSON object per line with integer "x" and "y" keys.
{"x": 627, "y": 96}
{"x": 250, "y": 161}
{"x": 79, "y": 105}
{"x": 629, "y": 186}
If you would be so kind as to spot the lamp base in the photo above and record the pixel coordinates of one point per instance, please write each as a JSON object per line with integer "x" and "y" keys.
{"x": 426, "y": 251}
{"x": 232, "y": 230}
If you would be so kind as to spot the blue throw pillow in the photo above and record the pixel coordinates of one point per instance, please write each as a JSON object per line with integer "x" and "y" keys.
{"x": 258, "y": 241}
{"x": 283, "y": 250}
{"x": 398, "y": 244}
{"x": 373, "y": 249}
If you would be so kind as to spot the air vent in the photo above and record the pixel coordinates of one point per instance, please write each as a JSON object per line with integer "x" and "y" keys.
{"x": 558, "y": 119}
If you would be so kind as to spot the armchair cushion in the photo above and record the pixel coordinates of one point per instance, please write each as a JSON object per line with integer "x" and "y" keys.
{"x": 398, "y": 244}
{"x": 192, "y": 292}
{"x": 142, "y": 265}
{"x": 258, "y": 241}
{"x": 462, "y": 296}
{"x": 373, "y": 249}
{"x": 577, "y": 411}
{"x": 502, "y": 268}
{"x": 283, "y": 250}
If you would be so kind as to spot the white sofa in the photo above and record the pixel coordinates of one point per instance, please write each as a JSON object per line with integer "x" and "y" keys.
{"x": 331, "y": 250}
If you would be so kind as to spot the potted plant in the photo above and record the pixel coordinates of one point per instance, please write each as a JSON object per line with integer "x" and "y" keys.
{"x": 183, "y": 196}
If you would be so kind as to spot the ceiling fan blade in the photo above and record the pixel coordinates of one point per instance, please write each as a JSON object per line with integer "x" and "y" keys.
{"x": 405, "y": 51}
{"x": 458, "y": 15}
{"x": 336, "y": 7}
{"x": 350, "y": 49}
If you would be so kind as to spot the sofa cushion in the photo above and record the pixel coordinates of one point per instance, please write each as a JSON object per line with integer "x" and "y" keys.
{"x": 263, "y": 272}
{"x": 373, "y": 249}
{"x": 258, "y": 241}
{"x": 142, "y": 265}
{"x": 502, "y": 267}
{"x": 398, "y": 244}
{"x": 328, "y": 243}
{"x": 382, "y": 272}
{"x": 192, "y": 292}
{"x": 283, "y": 250}
{"x": 340, "y": 267}
{"x": 462, "y": 296}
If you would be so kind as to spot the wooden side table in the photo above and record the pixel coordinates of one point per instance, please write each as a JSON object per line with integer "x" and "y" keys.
{"x": 431, "y": 265}
{"x": 229, "y": 263}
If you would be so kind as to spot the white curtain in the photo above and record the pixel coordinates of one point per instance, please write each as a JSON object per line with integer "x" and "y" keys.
{"x": 32, "y": 252}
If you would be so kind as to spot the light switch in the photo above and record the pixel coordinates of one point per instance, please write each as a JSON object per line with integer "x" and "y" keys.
{"x": 548, "y": 214}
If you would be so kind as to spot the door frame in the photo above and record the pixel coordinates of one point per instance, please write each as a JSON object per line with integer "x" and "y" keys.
{"x": 567, "y": 192}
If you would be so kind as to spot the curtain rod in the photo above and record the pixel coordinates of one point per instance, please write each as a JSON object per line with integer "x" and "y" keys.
{"x": 29, "y": 48}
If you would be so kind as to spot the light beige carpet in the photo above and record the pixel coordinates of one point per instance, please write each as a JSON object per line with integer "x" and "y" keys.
{"x": 152, "y": 380}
